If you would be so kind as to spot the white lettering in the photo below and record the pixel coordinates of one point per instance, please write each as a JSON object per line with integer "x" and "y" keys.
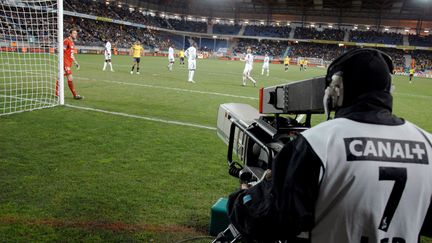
{"x": 417, "y": 150}
{"x": 398, "y": 151}
{"x": 369, "y": 149}
{"x": 408, "y": 154}
{"x": 352, "y": 147}
{"x": 384, "y": 148}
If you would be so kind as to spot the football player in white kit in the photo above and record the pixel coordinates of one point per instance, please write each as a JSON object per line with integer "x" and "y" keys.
{"x": 107, "y": 53}
{"x": 266, "y": 65}
{"x": 363, "y": 177}
{"x": 170, "y": 57}
{"x": 191, "y": 54}
{"x": 248, "y": 68}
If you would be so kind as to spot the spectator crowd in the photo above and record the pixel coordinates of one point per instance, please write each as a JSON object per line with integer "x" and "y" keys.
{"x": 372, "y": 36}
{"x": 314, "y": 34}
{"x": 16, "y": 26}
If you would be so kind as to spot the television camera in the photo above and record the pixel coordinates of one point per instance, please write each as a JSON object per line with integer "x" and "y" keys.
{"x": 257, "y": 136}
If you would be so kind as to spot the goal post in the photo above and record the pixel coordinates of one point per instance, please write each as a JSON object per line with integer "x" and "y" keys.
{"x": 60, "y": 52}
{"x": 31, "y": 55}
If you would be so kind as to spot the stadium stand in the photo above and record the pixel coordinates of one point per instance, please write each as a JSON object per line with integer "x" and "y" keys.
{"x": 183, "y": 25}
{"x": 273, "y": 48}
{"x": 226, "y": 29}
{"x": 416, "y": 40}
{"x": 114, "y": 12}
{"x": 397, "y": 56}
{"x": 207, "y": 44}
{"x": 423, "y": 59}
{"x": 175, "y": 40}
{"x": 14, "y": 26}
{"x": 92, "y": 8}
{"x": 325, "y": 51}
{"x": 221, "y": 44}
{"x": 314, "y": 34}
{"x": 93, "y": 33}
{"x": 373, "y": 36}
{"x": 267, "y": 31}
{"x": 6, "y": 32}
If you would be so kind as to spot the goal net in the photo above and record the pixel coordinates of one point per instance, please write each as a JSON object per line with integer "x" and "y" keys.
{"x": 29, "y": 57}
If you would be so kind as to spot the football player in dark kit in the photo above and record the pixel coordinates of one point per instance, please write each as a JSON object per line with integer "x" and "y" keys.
{"x": 363, "y": 177}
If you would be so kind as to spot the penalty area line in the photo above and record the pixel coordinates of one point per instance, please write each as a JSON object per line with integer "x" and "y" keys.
{"x": 142, "y": 117}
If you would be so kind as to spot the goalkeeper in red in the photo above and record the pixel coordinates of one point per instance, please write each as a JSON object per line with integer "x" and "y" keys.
{"x": 68, "y": 60}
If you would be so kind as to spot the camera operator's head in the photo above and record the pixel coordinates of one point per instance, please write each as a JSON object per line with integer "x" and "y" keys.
{"x": 356, "y": 73}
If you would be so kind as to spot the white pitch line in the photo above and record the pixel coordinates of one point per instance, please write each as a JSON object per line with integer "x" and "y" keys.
{"x": 142, "y": 117}
{"x": 169, "y": 88}
{"x": 414, "y": 95}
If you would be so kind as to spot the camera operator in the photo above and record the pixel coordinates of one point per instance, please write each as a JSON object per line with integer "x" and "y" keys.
{"x": 365, "y": 176}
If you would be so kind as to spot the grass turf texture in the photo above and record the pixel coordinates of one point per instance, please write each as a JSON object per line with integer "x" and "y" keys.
{"x": 73, "y": 175}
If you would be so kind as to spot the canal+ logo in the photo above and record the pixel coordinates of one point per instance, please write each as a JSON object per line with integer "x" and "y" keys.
{"x": 378, "y": 149}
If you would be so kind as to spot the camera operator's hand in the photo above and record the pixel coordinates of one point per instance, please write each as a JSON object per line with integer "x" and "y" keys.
{"x": 247, "y": 185}
{"x": 244, "y": 186}
{"x": 268, "y": 174}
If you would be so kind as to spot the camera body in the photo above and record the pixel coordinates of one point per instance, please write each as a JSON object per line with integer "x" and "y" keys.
{"x": 257, "y": 136}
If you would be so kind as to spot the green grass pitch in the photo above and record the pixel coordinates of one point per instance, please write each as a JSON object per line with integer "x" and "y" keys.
{"x": 68, "y": 174}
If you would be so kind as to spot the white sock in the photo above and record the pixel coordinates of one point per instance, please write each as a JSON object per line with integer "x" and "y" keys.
{"x": 192, "y": 74}
{"x": 110, "y": 66}
{"x": 251, "y": 79}
{"x": 262, "y": 71}
{"x": 244, "y": 80}
{"x": 104, "y": 66}
{"x": 189, "y": 76}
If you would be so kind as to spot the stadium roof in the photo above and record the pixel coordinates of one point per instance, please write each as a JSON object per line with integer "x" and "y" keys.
{"x": 336, "y": 11}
